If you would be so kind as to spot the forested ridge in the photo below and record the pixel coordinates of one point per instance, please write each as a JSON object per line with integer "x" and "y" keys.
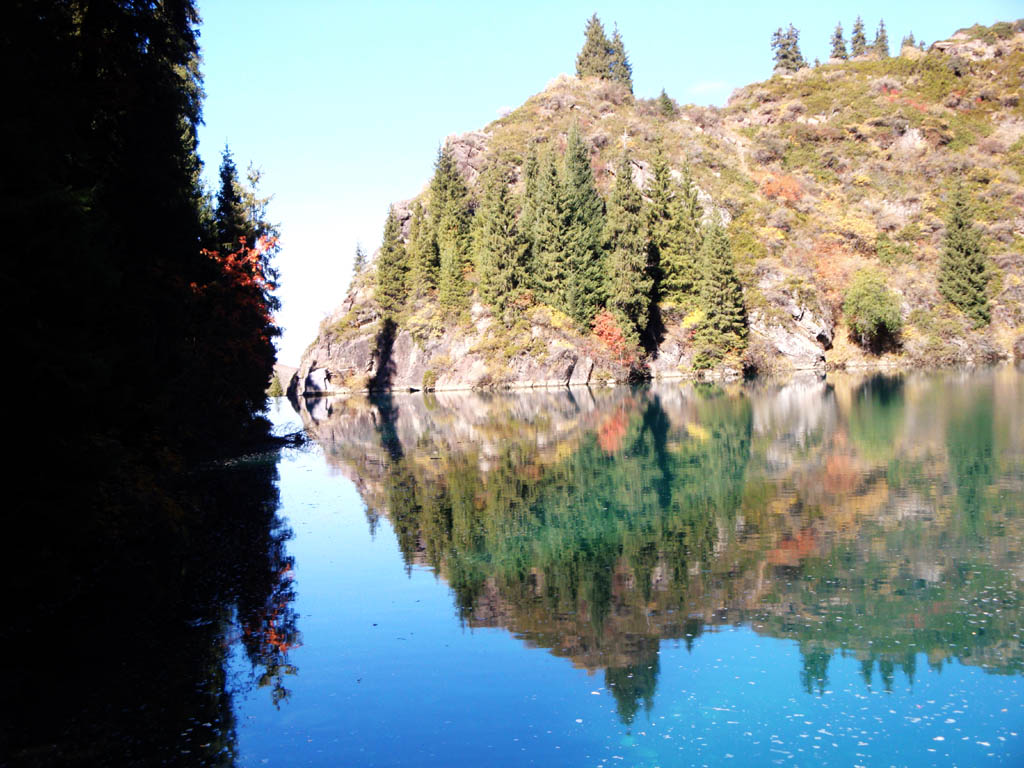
{"x": 857, "y": 211}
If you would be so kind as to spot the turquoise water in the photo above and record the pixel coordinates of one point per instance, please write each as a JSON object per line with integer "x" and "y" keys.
{"x": 827, "y": 572}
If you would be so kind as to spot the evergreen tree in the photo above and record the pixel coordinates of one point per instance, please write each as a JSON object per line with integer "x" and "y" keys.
{"x": 629, "y": 282}
{"x": 838, "y": 43}
{"x": 422, "y": 253}
{"x": 595, "y": 57}
{"x": 786, "y": 47}
{"x": 620, "y": 70}
{"x": 585, "y": 225}
{"x": 665, "y": 105}
{"x": 450, "y": 217}
{"x": 392, "y": 266}
{"x": 963, "y": 276}
{"x": 881, "y": 44}
{"x": 230, "y": 214}
{"x": 549, "y": 236}
{"x": 908, "y": 41}
{"x": 858, "y": 41}
{"x": 724, "y": 328}
{"x": 360, "y": 260}
{"x": 531, "y": 172}
{"x": 500, "y": 250}
{"x": 680, "y": 246}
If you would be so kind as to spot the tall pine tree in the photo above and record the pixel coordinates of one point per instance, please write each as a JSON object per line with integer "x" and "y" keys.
{"x": 391, "y": 268}
{"x": 585, "y": 226}
{"x": 680, "y": 254}
{"x": 500, "y": 251}
{"x": 963, "y": 274}
{"x": 450, "y": 216}
{"x": 838, "y": 43}
{"x": 858, "y": 41}
{"x": 629, "y": 282}
{"x": 724, "y": 328}
{"x": 786, "y": 47}
{"x": 549, "y": 237}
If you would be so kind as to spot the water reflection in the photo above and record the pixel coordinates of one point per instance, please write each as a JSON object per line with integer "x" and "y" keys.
{"x": 877, "y": 517}
{"x": 126, "y": 662}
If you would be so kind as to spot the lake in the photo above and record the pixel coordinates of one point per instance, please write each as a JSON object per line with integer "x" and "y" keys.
{"x": 823, "y": 571}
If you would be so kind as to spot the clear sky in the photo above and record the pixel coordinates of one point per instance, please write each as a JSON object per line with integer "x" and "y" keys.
{"x": 343, "y": 104}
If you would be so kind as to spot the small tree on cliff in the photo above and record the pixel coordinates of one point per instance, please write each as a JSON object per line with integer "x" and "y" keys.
{"x": 858, "y": 41}
{"x": 786, "y": 47}
{"x": 620, "y": 70}
{"x": 881, "y": 44}
{"x": 838, "y": 43}
{"x": 391, "y": 267}
{"x": 594, "y": 59}
{"x": 963, "y": 276}
{"x": 629, "y": 282}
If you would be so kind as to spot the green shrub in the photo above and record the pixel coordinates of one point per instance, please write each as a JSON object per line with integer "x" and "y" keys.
{"x": 429, "y": 379}
{"x": 872, "y": 311}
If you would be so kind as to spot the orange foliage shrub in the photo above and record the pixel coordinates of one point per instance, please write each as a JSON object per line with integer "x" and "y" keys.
{"x": 783, "y": 187}
{"x": 607, "y": 330}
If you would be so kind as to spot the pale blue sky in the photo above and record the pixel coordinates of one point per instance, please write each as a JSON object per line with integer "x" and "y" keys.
{"x": 344, "y": 104}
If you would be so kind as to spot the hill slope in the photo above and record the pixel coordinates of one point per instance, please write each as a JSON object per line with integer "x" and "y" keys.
{"x": 817, "y": 175}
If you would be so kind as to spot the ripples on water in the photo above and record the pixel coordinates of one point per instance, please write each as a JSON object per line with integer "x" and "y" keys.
{"x": 819, "y": 570}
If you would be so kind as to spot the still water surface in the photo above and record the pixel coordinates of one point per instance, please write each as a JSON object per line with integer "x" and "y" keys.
{"x": 819, "y": 572}
{"x": 825, "y": 572}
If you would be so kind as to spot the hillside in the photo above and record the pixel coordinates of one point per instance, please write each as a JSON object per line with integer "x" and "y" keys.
{"x": 816, "y": 175}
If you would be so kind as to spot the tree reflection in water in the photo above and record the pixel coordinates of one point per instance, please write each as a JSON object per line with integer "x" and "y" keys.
{"x": 854, "y": 516}
{"x": 127, "y": 664}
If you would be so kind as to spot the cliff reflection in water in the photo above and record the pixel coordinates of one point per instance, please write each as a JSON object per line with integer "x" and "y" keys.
{"x": 877, "y": 517}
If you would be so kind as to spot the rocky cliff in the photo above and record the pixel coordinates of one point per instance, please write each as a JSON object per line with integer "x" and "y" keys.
{"x": 817, "y": 174}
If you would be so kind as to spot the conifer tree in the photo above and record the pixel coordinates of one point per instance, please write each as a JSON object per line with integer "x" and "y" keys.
{"x": 620, "y": 70}
{"x": 881, "y": 44}
{"x": 786, "y": 47}
{"x": 229, "y": 216}
{"x": 500, "y": 250}
{"x": 450, "y": 218}
{"x": 629, "y": 282}
{"x": 360, "y": 260}
{"x": 585, "y": 225}
{"x": 595, "y": 56}
{"x": 422, "y": 253}
{"x": 549, "y": 235}
{"x": 665, "y": 105}
{"x": 531, "y": 171}
{"x": 858, "y": 41}
{"x": 908, "y": 40}
{"x": 838, "y": 43}
{"x": 391, "y": 267}
{"x": 963, "y": 276}
{"x": 724, "y": 328}
{"x": 680, "y": 262}
{"x": 661, "y": 194}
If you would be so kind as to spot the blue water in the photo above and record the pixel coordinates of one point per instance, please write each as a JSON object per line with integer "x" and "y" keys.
{"x": 389, "y": 674}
